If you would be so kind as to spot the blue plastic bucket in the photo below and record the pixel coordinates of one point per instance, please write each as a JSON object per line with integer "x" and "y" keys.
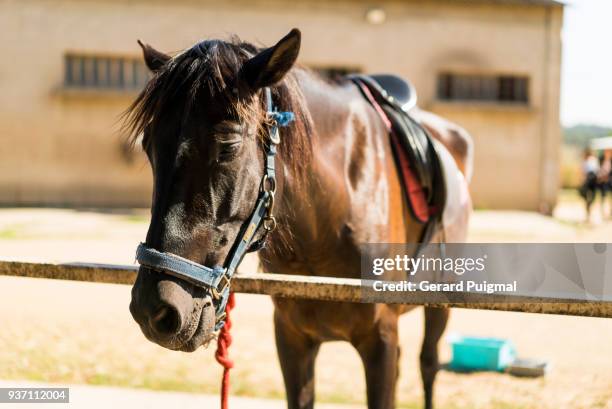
{"x": 481, "y": 354}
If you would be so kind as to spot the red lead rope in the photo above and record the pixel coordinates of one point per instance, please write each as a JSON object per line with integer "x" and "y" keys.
{"x": 222, "y": 354}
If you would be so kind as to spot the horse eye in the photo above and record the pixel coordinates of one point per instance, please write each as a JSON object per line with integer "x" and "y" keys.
{"x": 227, "y": 151}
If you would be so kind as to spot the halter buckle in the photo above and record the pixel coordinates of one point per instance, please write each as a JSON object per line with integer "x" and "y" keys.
{"x": 275, "y": 136}
{"x": 217, "y": 293}
{"x": 221, "y": 317}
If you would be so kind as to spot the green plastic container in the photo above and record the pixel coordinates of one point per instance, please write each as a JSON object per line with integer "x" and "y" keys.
{"x": 481, "y": 354}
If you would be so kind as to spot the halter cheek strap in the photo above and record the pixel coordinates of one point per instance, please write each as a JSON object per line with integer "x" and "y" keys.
{"x": 216, "y": 280}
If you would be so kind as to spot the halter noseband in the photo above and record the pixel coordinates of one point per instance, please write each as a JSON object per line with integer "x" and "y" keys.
{"x": 217, "y": 279}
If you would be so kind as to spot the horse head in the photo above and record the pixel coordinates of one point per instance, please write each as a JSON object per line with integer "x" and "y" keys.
{"x": 202, "y": 119}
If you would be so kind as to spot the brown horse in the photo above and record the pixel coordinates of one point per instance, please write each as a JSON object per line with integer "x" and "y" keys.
{"x": 202, "y": 120}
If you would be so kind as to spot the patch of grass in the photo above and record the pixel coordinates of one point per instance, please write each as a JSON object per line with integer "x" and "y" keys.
{"x": 603, "y": 399}
{"x": 412, "y": 405}
{"x": 39, "y": 364}
{"x": 9, "y": 233}
{"x": 500, "y": 404}
{"x": 172, "y": 384}
{"x": 570, "y": 196}
{"x": 13, "y": 231}
{"x": 135, "y": 218}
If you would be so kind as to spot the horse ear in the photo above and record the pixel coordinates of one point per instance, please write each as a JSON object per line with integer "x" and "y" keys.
{"x": 153, "y": 59}
{"x": 270, "y": 65}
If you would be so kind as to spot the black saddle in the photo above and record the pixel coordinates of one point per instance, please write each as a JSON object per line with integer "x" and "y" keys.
{"x": 396, "y": 97}
{"x": 401, "y": 91}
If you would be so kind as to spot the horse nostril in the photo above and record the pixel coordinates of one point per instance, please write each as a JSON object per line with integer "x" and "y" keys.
{"x": 166, "y": 321}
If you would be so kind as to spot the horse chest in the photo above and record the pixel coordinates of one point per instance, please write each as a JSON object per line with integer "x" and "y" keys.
{"x": 324, "y": 320}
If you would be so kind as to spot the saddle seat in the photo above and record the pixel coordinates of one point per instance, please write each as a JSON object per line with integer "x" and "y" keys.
{"x": 398, "y": 89}
{"x": 414, "y": 150}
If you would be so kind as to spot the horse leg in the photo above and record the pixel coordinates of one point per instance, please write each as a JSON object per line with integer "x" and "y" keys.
{"x": 379, "y": 351}
{"x": 296, "y": 353}
{"x": 435, "y": 323}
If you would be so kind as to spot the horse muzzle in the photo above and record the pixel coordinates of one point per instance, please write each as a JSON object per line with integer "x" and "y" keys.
{"x": 172, "y": 313}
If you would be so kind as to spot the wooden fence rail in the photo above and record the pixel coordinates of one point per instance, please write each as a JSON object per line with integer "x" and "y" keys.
{"x": 317, "y": 288}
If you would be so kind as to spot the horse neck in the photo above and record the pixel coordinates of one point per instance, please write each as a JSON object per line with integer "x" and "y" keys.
{"x": 312, "y": 208}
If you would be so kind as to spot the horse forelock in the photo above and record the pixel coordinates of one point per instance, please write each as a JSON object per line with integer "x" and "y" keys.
{"x": 207, "y": 70}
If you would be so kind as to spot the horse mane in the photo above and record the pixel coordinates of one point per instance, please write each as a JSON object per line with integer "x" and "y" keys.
{"x": 190, "y": 75}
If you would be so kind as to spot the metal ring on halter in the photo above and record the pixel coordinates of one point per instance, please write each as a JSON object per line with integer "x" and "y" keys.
{"x": 269, "y": 223}
{"x": 268, "y": 184}
{"x": 270, "y": 204}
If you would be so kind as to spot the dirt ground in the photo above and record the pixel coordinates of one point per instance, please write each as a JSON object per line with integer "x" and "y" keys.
{"x": 103, "y": 397}
{"x": 82, "y": 333}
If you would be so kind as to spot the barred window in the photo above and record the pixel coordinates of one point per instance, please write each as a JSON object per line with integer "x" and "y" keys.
{"x": 104, "y": 72}
{"x": 502, "y": 88}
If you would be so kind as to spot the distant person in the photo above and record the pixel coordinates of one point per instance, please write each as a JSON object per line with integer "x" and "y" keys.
{"x": 603, "y": 179}
{"x": 590, "y": 171}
